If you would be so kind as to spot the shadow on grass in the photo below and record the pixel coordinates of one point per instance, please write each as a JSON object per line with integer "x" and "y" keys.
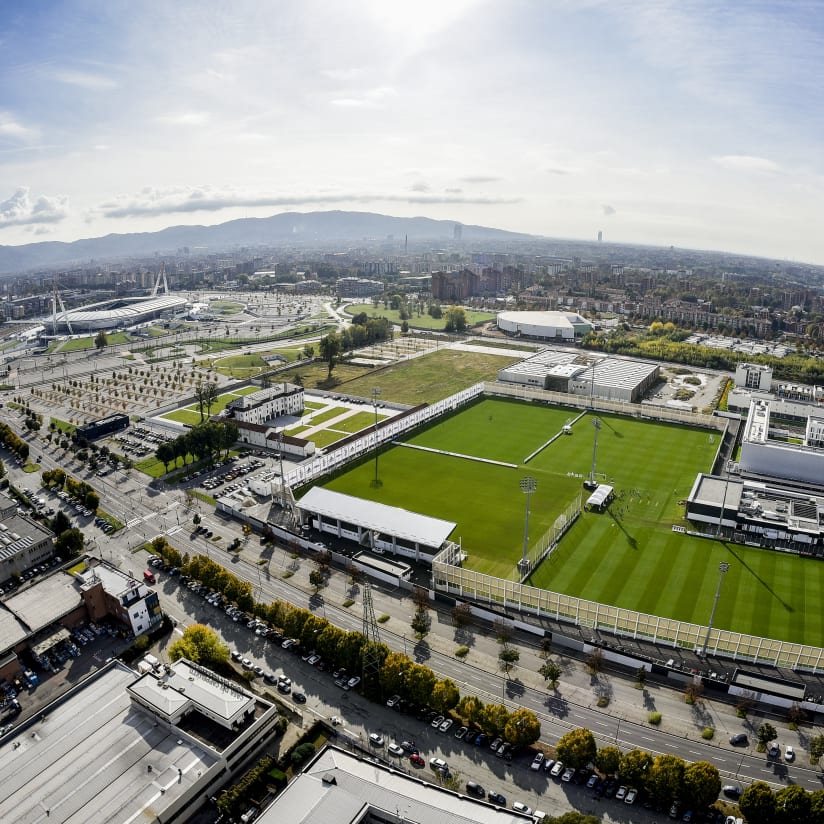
{"x": 730, "y": 548}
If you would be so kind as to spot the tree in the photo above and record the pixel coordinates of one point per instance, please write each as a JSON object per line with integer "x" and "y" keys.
{"x": 101, "y": 340}
{"x": 702, "y": 783}
{"x": 792, "y": 805}
{"x": 608, "y": 760}
{"x": 666, "y": 778}
{"x": 595, "y": 660}
{"x": 816, "y": 748}
{"x": 317, "y": 579}
{"x": 572, "y": 817}
{"x": 502, "y": 630}
{"x": 817, "y": 807}
{"x": 641, "y": 676}
{"x": 522, "y": 728}
{"x": 766, "y": 733}
{"x": 200, "y": 645}
{"x": 69, "y": 543}
{"x": 508, "y": 659}
{"x": 758, "y": 804}
{"x": 445, "y": 696}
{"x": 60, "y": 522}
{"x": 551, "y": 671}
{"x": 633, "y": 767}
{"x": 462, "y": 615}
{"x": 455, "y": 319}
{"x": 330, "y": 348}
{"x": 577, "y": 748}
{"x": 420, "y": 624}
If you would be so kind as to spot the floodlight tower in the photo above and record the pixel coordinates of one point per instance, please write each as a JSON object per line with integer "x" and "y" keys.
{"x": 723, "y": 568}
{"x": 528, "y": 486}
{"x": 596, "y": 422}
{"x": 372, "y": 639}
{"x": 376, "y": 393}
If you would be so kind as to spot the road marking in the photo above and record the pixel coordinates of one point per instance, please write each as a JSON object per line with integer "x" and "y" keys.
{"x": 174, "y": 530}
{"x": 647, "y": 739}
{"x": 133, "y": 522}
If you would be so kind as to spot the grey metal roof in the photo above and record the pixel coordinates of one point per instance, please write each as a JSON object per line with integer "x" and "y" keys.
{"x": 338, "y": 786}
{"x": 96, "y": 759}
{"x": 390, "y": 520}
{"x": 46, "y": 601}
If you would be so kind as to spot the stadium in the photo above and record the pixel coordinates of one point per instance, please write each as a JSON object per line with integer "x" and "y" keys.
{"x": 119, "y": 313}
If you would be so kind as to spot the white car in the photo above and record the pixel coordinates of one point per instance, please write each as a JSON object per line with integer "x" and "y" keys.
{"x": 375, "y": 739}
{"x": 537, "y": 761}
{"x": 621, "y": 794}
{"x": 438, "y": 764}
{"x": 789, "y": 753}
{"x": 520, "y": 807}
{"x": 395, "y": 749}
{"x": 632, "y": 794}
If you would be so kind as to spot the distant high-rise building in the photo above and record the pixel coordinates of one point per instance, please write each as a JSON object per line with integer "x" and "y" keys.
{"x": 457, "y": 232}
{"x": 600, "y": 236}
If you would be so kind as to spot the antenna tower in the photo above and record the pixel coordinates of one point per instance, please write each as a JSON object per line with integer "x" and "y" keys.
{"x": 372, "y": 637}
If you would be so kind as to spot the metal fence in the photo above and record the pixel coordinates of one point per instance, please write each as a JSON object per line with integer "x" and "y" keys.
{"x": 476, "y": 586}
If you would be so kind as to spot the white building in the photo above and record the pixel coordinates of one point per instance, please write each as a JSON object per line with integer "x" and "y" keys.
{"x": 267, "y": 404}
{"x": 123, "y": 747}
{"x": 753, "y": 376}
{"x": 270, "y": 437}
{"x": 770, "y": 451}
{"x": 566, "y": 326}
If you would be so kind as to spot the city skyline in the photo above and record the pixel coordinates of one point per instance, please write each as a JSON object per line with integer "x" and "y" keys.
{"x": 691, "y": 125}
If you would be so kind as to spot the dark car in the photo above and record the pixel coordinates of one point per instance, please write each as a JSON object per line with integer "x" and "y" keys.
{"x": 496, "y": 798}
{"x": 739, "y": 739}
{"x": 473, "y": 788}
{"x": 732, "y": 791}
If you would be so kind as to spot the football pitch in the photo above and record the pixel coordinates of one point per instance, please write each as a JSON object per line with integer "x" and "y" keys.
{"x": 628, "y": 556}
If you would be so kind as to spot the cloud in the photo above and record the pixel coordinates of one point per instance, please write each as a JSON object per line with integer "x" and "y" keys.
{"x": 554, "y": 170}
{"x": 479, "y": 179}
{"x": 420, "y": 187}
{"x": 607, "y": 209}
{"x": 453, "y": 191}
{"x": 365, "y": 99}
{"x": 20, "y": 210}
{"x": 13, "y": 128}
{"x": 184, "y": 119}
{"x": 85, "y": 80}
{"x": 151, "y": 202}
{"x": 747, "y": 163}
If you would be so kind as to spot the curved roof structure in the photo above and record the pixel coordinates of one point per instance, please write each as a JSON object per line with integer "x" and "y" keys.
{"x": 119, "y": 312}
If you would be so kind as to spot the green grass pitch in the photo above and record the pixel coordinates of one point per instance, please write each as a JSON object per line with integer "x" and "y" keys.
{"x": 628, "y": 556}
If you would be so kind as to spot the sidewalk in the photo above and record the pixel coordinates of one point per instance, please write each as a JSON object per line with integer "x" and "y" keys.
{"x": 577, "y": 687}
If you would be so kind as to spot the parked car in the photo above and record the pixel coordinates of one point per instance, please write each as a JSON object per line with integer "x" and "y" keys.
{"x": 416, "y": 760}
{"x": 631, "y": 795}
{"x": 789, "y": 753}
{"x": 445, "y": 725}
{"x": 461, "y": 732}
{"x": 375, "y": 739}
{"x": 438, "y": 764}
{"x": 568, "y": 775}
{"x": 353, "y": 682}
{"x": 774, "y": 751}
{"x": 496, "y": 798}
{"x": 732, "y": 791}
{"x": 436, "y": 721}
{"x": 621, "y": 794}
{"x": 537, "y": 761}
{"x": 739, "y": 739}
{"x": 557, "y": 769}
{"x": 395, "y": 749}
{"x": 520, "y": 807}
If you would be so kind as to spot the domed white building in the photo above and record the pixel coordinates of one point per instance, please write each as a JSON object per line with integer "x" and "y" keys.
{"x": 568, "y": 326}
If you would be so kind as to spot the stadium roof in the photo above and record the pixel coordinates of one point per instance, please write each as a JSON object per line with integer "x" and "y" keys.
{"x": 390, "y": 520}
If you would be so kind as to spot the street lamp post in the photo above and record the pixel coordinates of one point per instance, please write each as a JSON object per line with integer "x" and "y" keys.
{"x": 723, "y": 568}
{"x": 376, "y": 393}
{"x": 596, "y": 422}
{"x": 528, "y": 486}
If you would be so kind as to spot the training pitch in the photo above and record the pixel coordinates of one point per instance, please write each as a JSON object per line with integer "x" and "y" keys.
{"x": 628, "y": 556}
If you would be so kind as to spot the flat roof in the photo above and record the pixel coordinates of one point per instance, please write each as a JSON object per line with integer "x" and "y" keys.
{"x": 186, "y": 684}
{"x": 46, "y": 601}
{"x": 126, "y": 768}
{"x": 19, "y": 532}
{"x": 390, "y": 520}
{"x": 340, "y": 787}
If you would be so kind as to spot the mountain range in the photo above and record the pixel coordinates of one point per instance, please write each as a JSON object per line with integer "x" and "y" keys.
{"x": 289, "y": 228}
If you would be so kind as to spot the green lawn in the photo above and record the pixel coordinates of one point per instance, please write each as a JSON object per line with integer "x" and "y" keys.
{"x": 422, "y": 322}
{"x": 358, "y": 421}
{"x": 325, "y": 437}
{"x": 628, "y": 556}
{"x": 319, "y": 417}
{"x": 241, "y": 366}
{"x": 76, "y": 344}
{"x": 186, "y": 416}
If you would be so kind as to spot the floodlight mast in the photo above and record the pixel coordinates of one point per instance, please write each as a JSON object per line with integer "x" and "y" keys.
{"x": 528, "y": 486}
{"x": 376, "y": 393}
{"x": 596, "y": 422}
{"x": 723, "y": 568}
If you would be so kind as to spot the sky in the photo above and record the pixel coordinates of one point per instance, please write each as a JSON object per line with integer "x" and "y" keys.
{"x": 677, "y": 122}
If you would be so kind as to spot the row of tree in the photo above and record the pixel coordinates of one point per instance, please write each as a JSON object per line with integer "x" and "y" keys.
{"x": 667, "y": 778}
{"x": 392, "y": 673}
{"x": 204, "y": 441}
{"x": 13, "y": 442}
{"x": 789, "y": 805}
{"x": 662, "y": 344}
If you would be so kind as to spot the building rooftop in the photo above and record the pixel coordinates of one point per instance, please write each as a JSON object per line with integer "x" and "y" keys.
{"x": 390, "y": 520}
{"x": 340, "y": 787}
{"x": 19, "y": 532}
{"x": 43, "y": 603}
{"x": 129, "y": 767}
